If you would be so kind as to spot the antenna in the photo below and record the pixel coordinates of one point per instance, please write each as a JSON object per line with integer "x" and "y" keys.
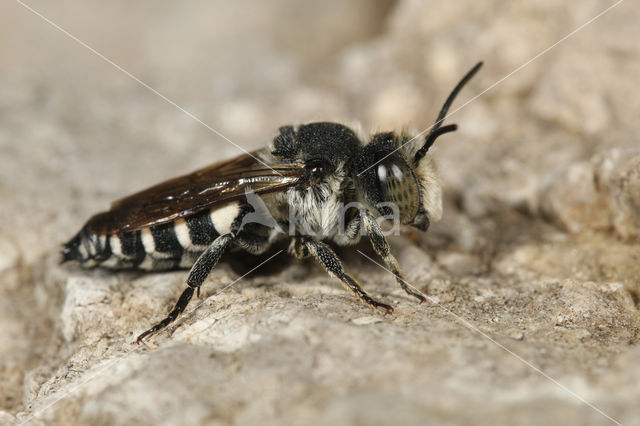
{"x": 436, "y": 130}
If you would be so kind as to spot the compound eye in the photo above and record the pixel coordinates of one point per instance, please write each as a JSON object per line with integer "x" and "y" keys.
{"x": 399, "y": 187}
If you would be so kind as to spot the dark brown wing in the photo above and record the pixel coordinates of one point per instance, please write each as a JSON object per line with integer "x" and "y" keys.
{"x": 185, "y": 195}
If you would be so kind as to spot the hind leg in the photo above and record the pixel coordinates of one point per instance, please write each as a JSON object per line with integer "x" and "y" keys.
{"x": 199, "y": 272}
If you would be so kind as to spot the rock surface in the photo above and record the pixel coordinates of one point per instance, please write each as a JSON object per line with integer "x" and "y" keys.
{"x": 533, "y": 275}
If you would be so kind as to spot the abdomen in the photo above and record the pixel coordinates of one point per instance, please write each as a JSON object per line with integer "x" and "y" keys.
{"x": 171, "y": 245}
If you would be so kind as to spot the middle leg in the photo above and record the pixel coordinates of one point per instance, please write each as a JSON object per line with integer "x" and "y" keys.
{"x": 331, "y": 263}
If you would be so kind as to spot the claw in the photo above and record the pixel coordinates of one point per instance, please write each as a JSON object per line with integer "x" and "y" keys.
{"x": 145, "y": 334}
{"x": 388, "y": 309}
{"x": 420, "y": 297}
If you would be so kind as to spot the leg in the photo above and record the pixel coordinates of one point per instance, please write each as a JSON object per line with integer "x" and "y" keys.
{"x": 331, "y": 263}
{"x": 298, "y": 248}
{"x": 199, "y": 272}
{"x": 381, "y": 246}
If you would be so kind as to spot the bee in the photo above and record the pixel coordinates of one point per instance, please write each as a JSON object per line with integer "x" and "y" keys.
{"x": 315, "y": 183}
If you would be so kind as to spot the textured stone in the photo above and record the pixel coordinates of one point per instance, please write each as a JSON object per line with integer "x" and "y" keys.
{"x": 534, "y": 265}
{"x": 603, "y": 194}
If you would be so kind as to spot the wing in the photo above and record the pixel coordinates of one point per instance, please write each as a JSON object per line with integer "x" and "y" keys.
{"x": 185, "y": 195}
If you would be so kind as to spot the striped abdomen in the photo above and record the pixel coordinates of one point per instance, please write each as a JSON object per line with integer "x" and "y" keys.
{"x": 172, "y": 245}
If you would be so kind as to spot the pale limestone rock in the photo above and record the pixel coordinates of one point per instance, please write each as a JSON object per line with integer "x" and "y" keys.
{"x": 537, "y": 250}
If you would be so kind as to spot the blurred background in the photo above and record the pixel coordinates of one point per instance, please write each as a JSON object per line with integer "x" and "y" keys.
{"x": 541, "y": 182}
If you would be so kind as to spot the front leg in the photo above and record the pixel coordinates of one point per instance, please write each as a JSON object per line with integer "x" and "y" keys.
{"x": 331, "y": 263}
{"x": 199, "y": 272}
{"x": 381, "y": 246}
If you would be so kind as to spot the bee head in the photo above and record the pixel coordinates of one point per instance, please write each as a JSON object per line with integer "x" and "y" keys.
{"x": 394, "y": 171}
{"x": 392, "y": 186}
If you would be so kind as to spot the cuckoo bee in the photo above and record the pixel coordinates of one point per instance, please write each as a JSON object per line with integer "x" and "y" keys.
{"x": 298, "y": 183}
